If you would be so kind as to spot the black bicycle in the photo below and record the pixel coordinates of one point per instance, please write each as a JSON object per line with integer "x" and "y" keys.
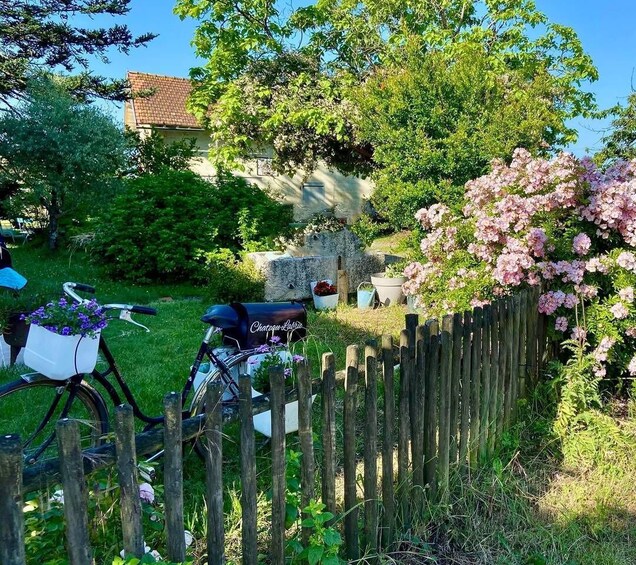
{"x": 33, "y": 404}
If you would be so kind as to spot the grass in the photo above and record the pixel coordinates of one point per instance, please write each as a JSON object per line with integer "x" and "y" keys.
{"x": 541, "y": 501}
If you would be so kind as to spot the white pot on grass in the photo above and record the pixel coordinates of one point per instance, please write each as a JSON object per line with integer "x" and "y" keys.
{"x": 389, "y": 289}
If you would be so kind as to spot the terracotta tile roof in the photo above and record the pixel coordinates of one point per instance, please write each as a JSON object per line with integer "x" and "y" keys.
{"x": 166, "y": 107}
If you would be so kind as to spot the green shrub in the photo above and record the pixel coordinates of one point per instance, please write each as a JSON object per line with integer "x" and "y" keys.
{"x": 157, "y": 228}
{"x": 246, "y": 216}
{"x": 367, "y": 229}
{"x": 232, "y": 280}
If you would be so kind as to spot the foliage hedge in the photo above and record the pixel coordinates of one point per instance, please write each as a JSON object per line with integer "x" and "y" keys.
{"x": 162, "y": 225}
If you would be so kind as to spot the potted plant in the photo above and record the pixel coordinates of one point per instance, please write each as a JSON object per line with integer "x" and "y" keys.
{"x": 325, "y": 295}
{"x": 389, "y": 284}
{"x": 64, "y": 338}
{"x": 274, "y": 354}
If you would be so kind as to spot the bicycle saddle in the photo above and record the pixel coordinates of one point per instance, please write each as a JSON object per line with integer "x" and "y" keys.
{"x": 221, "y": 316}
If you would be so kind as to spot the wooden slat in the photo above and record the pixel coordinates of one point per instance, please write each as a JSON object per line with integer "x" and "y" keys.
{"x": 404, "y": 428}
{"x": 248, "y": 473}
{"x": 371, "y": 449}
{"x": 75, "y": 493}
{"x": 417, "y": 423}
{"x": 277, "y": 400}
{"x": 475, "y": 383}
{"x": 465, "y": 387}
{"x": 132, "y": 530}
{"x": 485, "y": 383}
{"x": 494, "y": 379}
{"x": 445, "y": 371}
{"x": 455, "y": 387}
{"x": 430, "y": 408}
{"x": 306, "y": 438}
{"x": 214, "y": 471}
{"x": 388, "y": 497}
{"x": 352, "y": 544}
{"x": 173, "y": 477}
{"x": 11, "y": 507}
{"x": 509, "y": 362}
{"x": 329, "y": 432}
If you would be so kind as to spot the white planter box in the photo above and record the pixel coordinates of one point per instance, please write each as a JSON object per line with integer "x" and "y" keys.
{"x": 59, "y": 357}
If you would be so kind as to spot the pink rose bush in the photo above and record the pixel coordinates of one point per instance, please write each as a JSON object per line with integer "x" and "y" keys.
{"x": 560, "y": 224}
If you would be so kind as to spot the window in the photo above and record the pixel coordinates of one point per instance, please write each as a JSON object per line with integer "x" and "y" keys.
{"x": 314, "y": 194}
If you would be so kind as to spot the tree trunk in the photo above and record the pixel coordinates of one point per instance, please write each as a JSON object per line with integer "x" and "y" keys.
{"x": 53, "y": 231}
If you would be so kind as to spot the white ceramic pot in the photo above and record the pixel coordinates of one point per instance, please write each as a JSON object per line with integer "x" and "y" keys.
{"x": 326, "y": 302}
{"x": 389, "y": 288}
{"x": 59, "y": 357}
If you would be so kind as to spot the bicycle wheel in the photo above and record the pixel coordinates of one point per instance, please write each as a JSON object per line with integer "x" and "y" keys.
{"x": 31, "y": 408}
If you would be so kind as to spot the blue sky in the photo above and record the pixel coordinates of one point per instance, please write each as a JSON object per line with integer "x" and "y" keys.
{"x": 607, "y": 29}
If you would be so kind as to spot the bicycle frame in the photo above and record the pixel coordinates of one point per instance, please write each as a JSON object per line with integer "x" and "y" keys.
{"x": 204, "y": 350}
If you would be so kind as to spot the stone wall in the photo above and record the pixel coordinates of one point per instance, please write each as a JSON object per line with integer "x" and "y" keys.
{"x": 288, "y": 278}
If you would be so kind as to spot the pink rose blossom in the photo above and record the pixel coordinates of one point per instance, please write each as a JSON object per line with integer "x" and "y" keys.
{"x": 579, "y": 334}
{"x": 627, "y": 294}
{"x": 619, "y": 310}
{"x": 146, "y": 493}
{"x": 631, "y": 332}
{"x": 561, "y": 324}
{"x": 581, "y": 244}
{"x": 627, "y": 260}
{"x": 602, "y": 349}
{"x": 632, "y": 366}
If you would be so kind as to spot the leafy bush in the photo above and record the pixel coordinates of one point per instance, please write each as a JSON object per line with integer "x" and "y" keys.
{"x": 367, "y": 229}
{"x": 232, "y": 280}
{"x": 245, "y": 216}
{"x": 157, "y": 228}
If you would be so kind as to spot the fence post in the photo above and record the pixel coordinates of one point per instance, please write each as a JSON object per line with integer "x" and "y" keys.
{"x": 404, "y": 424}
{"x": 475, "y": 382}
{"x": 485, "y": 383}
{"x": 509, "y": 361}
{"x": 352, "y": 545}
{"x": 494, "y": 378}
{"x": 465, "y": 389}
{"x": 248, "y": 472}
{"x": 277, "y": 406}
{"x": 388, "y": 521}
{"x": 445, "y": 375}
{"x": 12, "y": 522}
{"x": 129, "y": 489}
{"x": 371, "y": 449}
{"x": 455, "y": 387}
{"x": 75, "y": 493}
{"x": 214, "y": 471}
{"x": 503, "y": 365}
{"x": 523, "y": 344}
{"x": 417, "y": 423}
{"x": 305, "y": 436}
{"x": 516, "y": 352}
{"x": 329, "y": 432}
{"x": 173, "y": 477}
{"x": 430, "y": 408}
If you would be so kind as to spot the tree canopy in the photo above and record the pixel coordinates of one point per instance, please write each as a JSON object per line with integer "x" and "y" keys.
{"x": 61, "y": 155}
{"x": 39, "y": 35}
{"x": 299, "y": 79}
{"x": 620, "y": 142}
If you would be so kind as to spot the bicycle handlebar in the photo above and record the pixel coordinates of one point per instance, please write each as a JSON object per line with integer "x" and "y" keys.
{"x": 71, "y": 287}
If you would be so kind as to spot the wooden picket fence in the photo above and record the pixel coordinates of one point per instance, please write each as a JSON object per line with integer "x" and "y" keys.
{"x": 458, "y": 387}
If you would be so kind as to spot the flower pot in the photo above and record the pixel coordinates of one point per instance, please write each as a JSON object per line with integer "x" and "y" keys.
{"x": 263, "y": 421}
{"x": 326, "y": 302}
{"x": 389, "y": 289}
{"x": 59, "y": 357}
{"x": 365, "y": 296}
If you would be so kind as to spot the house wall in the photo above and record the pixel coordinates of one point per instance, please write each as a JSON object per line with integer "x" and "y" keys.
{"x": 322, "y": 189}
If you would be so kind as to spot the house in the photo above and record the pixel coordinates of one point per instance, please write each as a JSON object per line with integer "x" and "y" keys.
{"x": 165, "y": 111}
